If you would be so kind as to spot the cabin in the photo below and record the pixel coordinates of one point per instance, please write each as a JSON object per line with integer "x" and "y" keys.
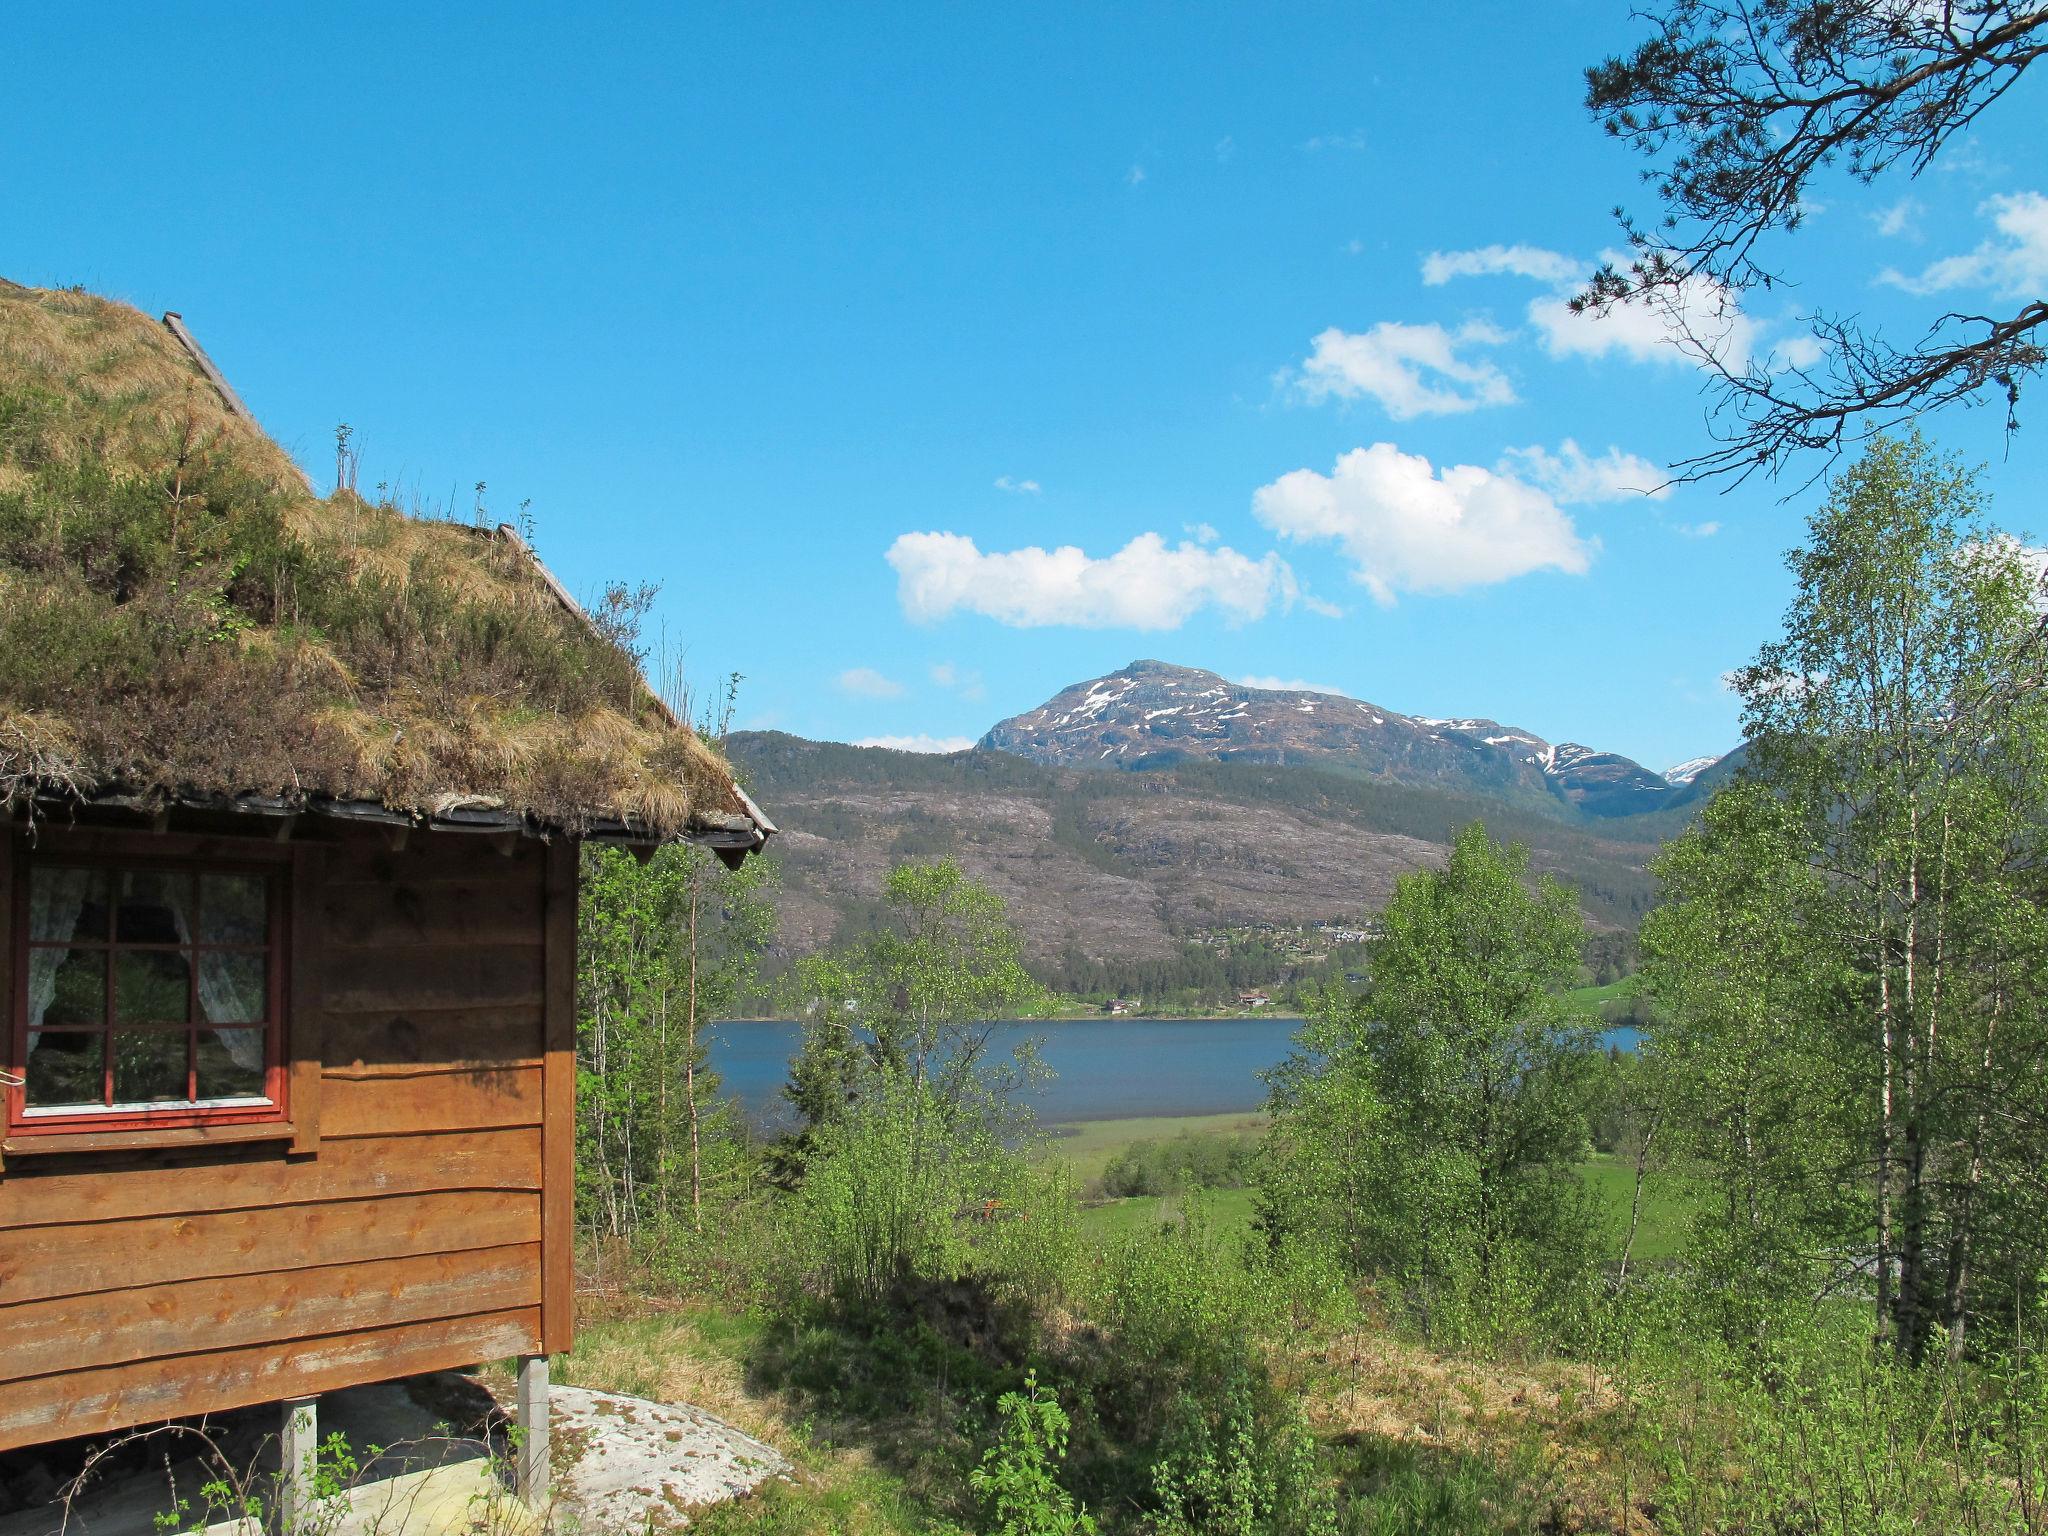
{"x": 288, "y": 875}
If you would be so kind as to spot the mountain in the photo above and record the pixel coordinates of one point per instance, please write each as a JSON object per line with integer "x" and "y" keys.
{"x": 1684, "y": 773}
{"x": 1151, "y": 715}
{"x": 1139, "y": 824}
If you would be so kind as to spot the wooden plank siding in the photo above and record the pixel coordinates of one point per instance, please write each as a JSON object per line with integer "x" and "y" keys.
{"x": 558, "y": 1090}
{"x": 405, "y": 1229}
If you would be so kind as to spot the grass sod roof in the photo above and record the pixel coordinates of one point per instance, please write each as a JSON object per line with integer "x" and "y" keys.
{"x": 180, "y": 618}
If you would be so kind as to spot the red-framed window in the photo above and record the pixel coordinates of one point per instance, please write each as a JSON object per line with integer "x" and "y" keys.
{"x": 148, "y": 992}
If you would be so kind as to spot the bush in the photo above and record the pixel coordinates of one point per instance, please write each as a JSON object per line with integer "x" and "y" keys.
{"x": 1015, "y": 1479}
{"x": 1186, "y": 1161}
{"x": 1235, "y": 1463}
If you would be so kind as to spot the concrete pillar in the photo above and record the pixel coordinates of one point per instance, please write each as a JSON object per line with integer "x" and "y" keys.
{"x": 531, "y": 1471}
{"x": 300, "y": 1442}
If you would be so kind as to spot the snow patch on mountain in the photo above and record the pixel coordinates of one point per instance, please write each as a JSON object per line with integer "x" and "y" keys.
{"x": 1682, "y": 774}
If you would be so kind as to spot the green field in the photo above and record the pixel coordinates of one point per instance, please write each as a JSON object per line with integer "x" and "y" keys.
{"x": 1590, "y": 999}
{"x": 1089, "y": 1146}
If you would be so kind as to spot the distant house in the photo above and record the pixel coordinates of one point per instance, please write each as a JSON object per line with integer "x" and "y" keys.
{"x": 1253, "y": 1000}
{"x": 1117, "y": 1005}
{"x": 291, "y": 916}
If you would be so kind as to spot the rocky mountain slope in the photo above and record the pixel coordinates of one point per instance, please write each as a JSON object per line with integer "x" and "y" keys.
{"x": 1135, "y": 814}
{"x": 1151, "y": 715}
{"x": 1130, "y": 867}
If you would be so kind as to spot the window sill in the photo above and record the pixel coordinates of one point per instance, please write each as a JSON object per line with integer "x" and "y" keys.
{"x": 143, "y": 1138}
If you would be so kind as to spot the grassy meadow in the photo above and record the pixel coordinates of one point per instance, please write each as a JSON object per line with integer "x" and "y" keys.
{"x": 1090, "y": 1147}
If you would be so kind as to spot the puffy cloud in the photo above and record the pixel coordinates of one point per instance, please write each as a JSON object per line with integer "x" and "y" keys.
{"x": 1406, "y": 527}
{"x": 1493, "y": 260}
{"x": 1573, "y": 477}
{"x": 1697, "y": 322}
{"x": 1018, "y": 487}
{"x": 1411, "y": 370}
{"x": 2012, "y": 264}
{"x": 1145, "y": 585}
{"x": 1697, "y": 530}
{"x": 867, "y": 683}
{"x": 1800, "y": 350}
{"x": 918, "y": 743}
{"x": 1201, "y": 533}
{"x": 1289, "y": 685}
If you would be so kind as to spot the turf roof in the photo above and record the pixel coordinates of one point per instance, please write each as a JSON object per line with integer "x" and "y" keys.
{"x": 180, "y": 617}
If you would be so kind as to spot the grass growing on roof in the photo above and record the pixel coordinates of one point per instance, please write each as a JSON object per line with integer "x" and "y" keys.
{"x": 178, "y": 614}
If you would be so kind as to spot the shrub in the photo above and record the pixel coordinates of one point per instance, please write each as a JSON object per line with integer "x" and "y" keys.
{"x": 1015, "y": 1480}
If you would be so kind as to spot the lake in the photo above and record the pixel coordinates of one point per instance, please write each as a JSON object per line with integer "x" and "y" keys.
{"x": 1106, "y": 1069}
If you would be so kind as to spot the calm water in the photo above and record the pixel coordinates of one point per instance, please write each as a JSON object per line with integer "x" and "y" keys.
{"x": 1108, "y": 1069}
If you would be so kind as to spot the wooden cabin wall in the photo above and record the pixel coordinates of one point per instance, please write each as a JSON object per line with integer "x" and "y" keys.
{"x": 402, "y": 1228}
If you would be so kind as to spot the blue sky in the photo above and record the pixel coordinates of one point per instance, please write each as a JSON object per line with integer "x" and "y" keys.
{"x": 933, "y": 358}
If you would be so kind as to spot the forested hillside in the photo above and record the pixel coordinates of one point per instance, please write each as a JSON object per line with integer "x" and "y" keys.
{"x": 1145, "y": 882}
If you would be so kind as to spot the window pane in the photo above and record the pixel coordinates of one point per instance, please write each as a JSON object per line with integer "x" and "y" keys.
{"x": 67, "y": 904}
{"x": 234, "y": 909}
{"x": 154, "y": 909}
{"x": 66, "y": 1069}
{"x": 231, "y": 986}
{"x": 152, "y": 986}
{"x": 149, "y": 1065}
{"x": 231, "y": 1064}
{"x": 67, "y": 986}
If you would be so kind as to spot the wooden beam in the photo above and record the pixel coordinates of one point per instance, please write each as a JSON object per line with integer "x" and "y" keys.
{"x": 8, "y": 1064}
{"x": 154, "y": 1322}
{"x": 558, "y": 1102}
{"x": 94, "y": 1402}
{"x": 306, "y": 1026}
{"x": 90, "y": 1258}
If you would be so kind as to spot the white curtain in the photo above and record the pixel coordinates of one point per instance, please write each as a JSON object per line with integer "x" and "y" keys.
{"x": 55, "y": 898}
{"x": 225, "y": 999}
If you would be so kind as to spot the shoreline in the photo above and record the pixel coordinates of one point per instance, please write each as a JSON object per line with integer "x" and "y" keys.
{"x": 1093, "y": 1017}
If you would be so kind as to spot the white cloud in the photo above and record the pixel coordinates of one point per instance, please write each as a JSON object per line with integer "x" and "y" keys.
{"x": 1411, "y": 370}
{"x": 1201, "y": 533}
{"x": 1697, "y": 322}
{"x": 1355, "y": 139}
{"x": 2012, "y": 264}
{"x": 1801, "y": 350}
{"x": 918, "y": 743}
{"x": 867, "y": 683}
{"x": 1135, "y": 176}
{"x": 1574, "y": 477}
{"x": 1407, "y": 527}
{"x": 1226, "y": 150}
{"x": 1491, "y": 260}
{"x": 1902, "y": 218}
{"x": 1145, "y": 585}
{"x": 1018, "y": 487}
{"x": 958, "y": 680}
{"x": 1697, "y": 530}
{"x": 1289, "y": 685}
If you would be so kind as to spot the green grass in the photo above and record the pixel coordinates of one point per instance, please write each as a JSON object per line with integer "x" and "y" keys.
{"x": 1660, "y": 1233}
{"x": 1590, "y": 999}
{"x": 1089, "y": 1145}
{"x": 1229, "y": 1211}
